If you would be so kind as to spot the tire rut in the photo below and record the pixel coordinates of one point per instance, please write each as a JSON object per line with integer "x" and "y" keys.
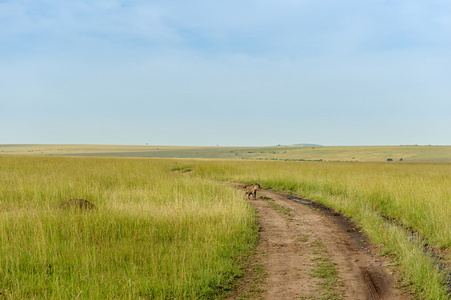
{"x": 370, "y": 284}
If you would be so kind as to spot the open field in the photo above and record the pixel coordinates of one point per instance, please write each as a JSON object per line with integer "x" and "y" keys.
{"x": 157, "y": 233}
{"x": 165, "y": 228}
{"x": 342, "y": 153}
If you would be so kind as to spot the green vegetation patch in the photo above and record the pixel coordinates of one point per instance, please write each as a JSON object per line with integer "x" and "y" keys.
{"x": 279, "y": 208}
{"x": 325, "y": 271}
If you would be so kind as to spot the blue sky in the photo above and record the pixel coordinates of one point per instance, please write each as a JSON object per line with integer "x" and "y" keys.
{"x": 236, "y": 73}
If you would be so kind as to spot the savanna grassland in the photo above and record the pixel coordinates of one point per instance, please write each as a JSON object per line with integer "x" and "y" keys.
{"x": 285, "y": 153}
{"x": 167, "y": 227}
{"x": 156, "y": 233}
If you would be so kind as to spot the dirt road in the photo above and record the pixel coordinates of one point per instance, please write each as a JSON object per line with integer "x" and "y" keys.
{"x": 306, "y": 253}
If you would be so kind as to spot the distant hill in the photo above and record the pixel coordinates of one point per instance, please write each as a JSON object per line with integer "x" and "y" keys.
{"x": 307, "y": 145}
{"x": 299, "y": 145}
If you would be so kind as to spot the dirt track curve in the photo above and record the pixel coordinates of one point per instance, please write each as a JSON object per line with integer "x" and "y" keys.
{"x": 305, "y": 253}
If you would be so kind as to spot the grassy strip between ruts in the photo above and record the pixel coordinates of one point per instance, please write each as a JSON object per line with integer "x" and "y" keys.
{"x": 156, "y": 234}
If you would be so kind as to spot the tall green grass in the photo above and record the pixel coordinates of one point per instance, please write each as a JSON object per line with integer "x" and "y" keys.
{"x": 156, "y": 234}
{"x": 418, "y": 196}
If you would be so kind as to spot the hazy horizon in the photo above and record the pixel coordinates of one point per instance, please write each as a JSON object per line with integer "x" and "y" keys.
{"x": 231, "y": 146}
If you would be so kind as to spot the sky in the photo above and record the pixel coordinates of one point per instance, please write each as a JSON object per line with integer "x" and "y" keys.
{"x": 227, "y": 73}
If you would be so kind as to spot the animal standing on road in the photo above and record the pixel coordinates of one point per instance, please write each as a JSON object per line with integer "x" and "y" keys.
{"x": 252, "y": 190}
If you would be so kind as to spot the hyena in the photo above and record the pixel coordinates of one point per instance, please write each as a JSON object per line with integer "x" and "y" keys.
{"x": 252, "y": 190}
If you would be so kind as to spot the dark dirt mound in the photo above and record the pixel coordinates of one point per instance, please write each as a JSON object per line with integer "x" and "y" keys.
{"x": 77, "y": 204}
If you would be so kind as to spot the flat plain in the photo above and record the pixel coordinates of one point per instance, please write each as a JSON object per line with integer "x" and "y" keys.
{"x": 290, "y": 153}
{"x": 399, "y": 197}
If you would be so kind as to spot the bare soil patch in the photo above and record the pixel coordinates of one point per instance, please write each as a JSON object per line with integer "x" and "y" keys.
{"x": 309, "y": 252}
